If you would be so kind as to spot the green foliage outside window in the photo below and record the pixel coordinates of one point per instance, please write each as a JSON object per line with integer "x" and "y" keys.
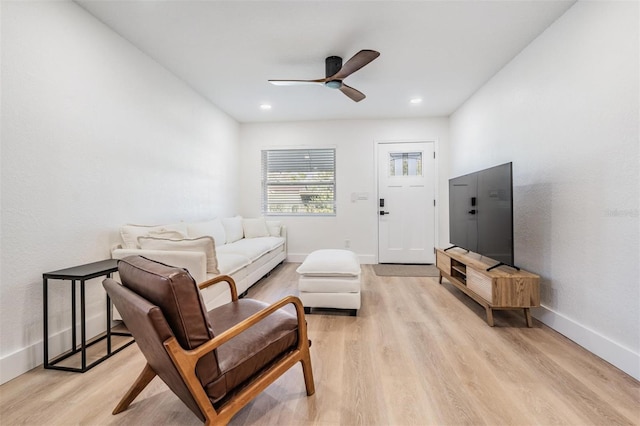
{"x": 298, "y": 182}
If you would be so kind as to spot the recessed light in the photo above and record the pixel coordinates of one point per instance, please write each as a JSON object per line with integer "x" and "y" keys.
{"x": 265, "y": 107}
{"x": 416, "y": 101}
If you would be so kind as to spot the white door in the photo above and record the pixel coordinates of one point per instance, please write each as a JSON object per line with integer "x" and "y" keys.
{"x": 406, "y": 213}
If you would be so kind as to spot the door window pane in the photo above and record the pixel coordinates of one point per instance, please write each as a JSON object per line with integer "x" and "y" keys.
{"x": 405, "y": 164}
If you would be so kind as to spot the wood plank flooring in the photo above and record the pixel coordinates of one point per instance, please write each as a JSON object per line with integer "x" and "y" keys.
{"x": 418, "y": 353}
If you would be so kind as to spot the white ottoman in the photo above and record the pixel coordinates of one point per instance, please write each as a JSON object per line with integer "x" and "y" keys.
{"x": 330, "y": 279}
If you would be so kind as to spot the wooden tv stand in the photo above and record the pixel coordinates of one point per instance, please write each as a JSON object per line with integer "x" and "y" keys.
{"x": 501, "y": 288}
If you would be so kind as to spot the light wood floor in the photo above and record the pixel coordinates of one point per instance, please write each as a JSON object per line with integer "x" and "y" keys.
{"x": 418, "y": 353}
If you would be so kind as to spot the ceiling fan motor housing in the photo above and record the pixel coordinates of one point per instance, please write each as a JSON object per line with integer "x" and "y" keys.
{"x": 333, "y": 64}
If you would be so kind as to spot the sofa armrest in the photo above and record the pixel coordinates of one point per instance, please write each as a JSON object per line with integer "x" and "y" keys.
{"x": 193, "y": 261}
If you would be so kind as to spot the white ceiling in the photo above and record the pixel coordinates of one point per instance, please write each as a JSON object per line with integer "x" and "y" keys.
{"x": 440, "y": 51}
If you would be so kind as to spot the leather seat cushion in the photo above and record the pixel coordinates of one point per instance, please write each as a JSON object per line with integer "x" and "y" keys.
{"x": 252, "y": 350}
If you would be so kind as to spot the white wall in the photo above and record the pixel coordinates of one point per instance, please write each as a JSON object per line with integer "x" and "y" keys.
{"x": 565, "y": 111}
{"x": 355, "y": 142}
{"x": 94, "y": 135}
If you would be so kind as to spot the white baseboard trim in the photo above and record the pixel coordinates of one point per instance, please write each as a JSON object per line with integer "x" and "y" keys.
{"x": 365, "y": 259}
{"x": 614, "y": 353}
{"x": 21, "y": 361}
{"x": 28, "y": 358}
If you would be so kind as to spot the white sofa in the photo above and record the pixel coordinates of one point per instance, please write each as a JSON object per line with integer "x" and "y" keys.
{"x": 245, "y": 248}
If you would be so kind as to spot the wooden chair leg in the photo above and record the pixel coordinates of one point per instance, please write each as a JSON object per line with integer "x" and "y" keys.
{"x": 308, "y": 375}
{"x": 141, "y": 382}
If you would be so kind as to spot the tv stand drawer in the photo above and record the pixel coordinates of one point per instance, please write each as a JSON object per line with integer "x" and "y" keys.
{"x": 480, "y": 284}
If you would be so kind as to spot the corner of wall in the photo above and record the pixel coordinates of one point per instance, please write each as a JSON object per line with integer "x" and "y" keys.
{"x": 614, "y": 353}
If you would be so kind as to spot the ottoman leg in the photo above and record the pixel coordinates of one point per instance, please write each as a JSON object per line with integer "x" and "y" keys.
{"x": 353, "y": 312}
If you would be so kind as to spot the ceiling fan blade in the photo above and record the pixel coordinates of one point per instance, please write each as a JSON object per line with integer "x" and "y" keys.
{"x": 354, "y": 94}
{"x": 356, "y": 62}
{"x": 296, "y": 82}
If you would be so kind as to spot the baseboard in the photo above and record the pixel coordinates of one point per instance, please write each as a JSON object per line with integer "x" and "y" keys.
{"x": 28, "y": 358}
{"x": 365, "y": 259}
{"x": 610, "y": 351}
{"x": 19, "y": 362}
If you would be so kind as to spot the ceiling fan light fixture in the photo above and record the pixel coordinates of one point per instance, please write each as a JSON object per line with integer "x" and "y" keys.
{"x": 336, "y": 72}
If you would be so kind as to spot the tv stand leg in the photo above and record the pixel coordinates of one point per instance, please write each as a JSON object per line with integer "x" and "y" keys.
{"x": 489, "y": 316}
{"x": 527, "y": 317}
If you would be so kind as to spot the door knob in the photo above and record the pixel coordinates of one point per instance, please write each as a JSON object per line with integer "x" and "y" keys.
{"x": 383, "y": 213}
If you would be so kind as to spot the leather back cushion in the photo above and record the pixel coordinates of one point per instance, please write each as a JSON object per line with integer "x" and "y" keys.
{"x": 177, "y": 295}
{"x": 150, "y": 329}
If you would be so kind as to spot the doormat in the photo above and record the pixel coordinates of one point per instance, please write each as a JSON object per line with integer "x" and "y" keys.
{"x": 400, "y": 270}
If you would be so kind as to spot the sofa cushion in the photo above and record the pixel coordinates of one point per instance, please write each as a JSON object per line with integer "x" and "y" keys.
{"x": 130, "y": 233}
{"x": 252, "y": 248}
{"x": 255, "y": 227}
{"x": 211, "y": 228}
{"x": 229, "y": 263}
{"x": 233, "y": 228}
{"x": 202, "y": 244}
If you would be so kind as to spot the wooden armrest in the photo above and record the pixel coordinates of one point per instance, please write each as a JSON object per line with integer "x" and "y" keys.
{"x": 186, "y": 360}
{"x": 228, "y": 334}
{"x": 219, "y": 278}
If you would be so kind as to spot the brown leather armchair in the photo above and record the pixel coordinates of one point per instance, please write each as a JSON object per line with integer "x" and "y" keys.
{"x": 217, "y": 361}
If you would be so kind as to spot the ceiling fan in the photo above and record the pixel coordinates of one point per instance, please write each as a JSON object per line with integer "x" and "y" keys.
{"x": 336, "y": 72}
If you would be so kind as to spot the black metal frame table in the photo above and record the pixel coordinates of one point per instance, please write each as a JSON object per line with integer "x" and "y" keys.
{"x": 80, "y": 273}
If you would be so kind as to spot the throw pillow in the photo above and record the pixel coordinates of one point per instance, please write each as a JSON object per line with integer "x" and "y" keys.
{"x": 130, "y": 233}
{"x": 233, "y": 228}
{"x": 275, "y": 227}
{"x": 211, "y": 228}
{"x": 255, "y": 228}
{"x": 169, "y": 235}
{"x": 202, "y": 244}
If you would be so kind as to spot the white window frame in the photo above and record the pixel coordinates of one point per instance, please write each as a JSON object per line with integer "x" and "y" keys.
{"x": 302, "y": 174}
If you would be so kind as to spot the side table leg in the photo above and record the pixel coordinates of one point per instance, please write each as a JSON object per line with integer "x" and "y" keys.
{"x": 108, "y": 325}
{"x": 45, "y": 325}
{"x": 74, "y": 342}
{"x": 83, "y": 331}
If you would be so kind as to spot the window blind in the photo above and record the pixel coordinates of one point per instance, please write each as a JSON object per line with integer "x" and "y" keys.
{"x": 299, "y": 182}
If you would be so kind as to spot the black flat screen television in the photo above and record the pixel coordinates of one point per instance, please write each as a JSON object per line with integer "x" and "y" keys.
{"x": 481, "y": 213}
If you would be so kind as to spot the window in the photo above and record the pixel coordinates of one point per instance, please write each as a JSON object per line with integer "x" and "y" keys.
{"x": 299, "y": 182}
{"x": 405, "y": 164}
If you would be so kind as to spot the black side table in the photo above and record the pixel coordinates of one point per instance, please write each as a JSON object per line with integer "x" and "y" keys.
{"x": 80, "y": 273}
